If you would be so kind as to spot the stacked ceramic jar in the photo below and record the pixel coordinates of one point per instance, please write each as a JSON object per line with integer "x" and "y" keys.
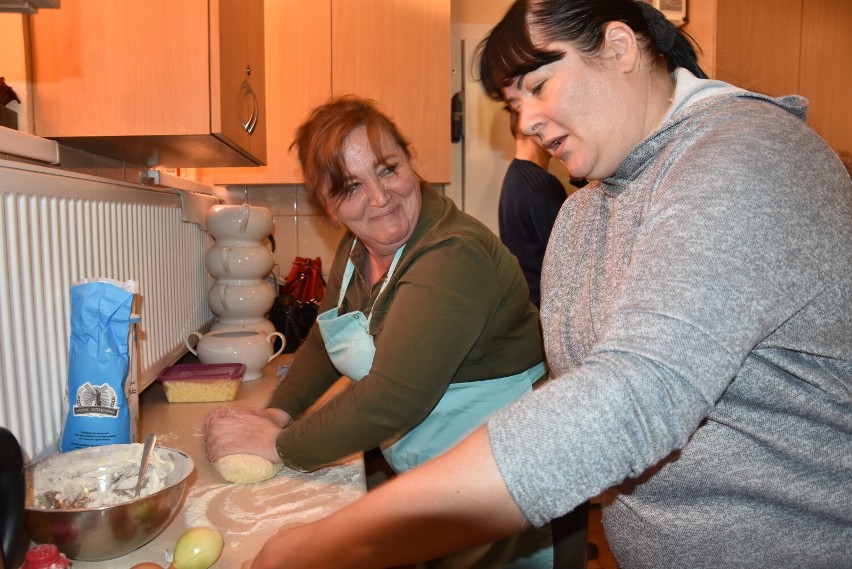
{"x": 240, "y": 262}
{"x": 241, "y": 297}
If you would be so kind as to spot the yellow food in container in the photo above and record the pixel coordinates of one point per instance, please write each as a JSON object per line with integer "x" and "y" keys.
{"x": 199, "y": 383}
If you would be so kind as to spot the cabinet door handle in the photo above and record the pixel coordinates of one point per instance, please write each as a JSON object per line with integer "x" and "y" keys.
{"x": 251, "y": 123}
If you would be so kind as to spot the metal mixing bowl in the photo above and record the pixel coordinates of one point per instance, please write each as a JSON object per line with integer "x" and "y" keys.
{"x": 105, "y": 532}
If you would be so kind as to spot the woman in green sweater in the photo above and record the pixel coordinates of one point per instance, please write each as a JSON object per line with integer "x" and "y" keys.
{"x": 426, "y": 312}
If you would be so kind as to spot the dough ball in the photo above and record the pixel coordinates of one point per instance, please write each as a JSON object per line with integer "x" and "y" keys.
{"x": 246, "y": 468}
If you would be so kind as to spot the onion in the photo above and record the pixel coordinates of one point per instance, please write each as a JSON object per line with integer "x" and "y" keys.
{"x": 197, "y": 548}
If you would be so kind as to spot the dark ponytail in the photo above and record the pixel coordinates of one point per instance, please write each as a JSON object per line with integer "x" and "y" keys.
{"x": 508, "y": 51}
{"x": 672, "y": 43}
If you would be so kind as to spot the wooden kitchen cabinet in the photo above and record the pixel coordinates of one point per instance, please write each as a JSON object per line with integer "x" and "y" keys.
{"x": 153, "y": 82}
{"x": 825, "y": 75}
{"x": 396, "y": 52}
{"x": 298, "y": 62}
{"x": 758, "y": 44}
{"x": 783, "y": 47}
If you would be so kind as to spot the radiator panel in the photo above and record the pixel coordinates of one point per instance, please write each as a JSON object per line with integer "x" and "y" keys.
{"x": 55, "y": 231}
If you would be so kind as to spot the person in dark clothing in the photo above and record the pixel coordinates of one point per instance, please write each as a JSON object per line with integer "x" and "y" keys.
{"x": 529, "y": 201}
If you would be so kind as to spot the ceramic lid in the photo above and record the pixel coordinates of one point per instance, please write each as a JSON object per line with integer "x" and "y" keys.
{"x": 184, "y": 372}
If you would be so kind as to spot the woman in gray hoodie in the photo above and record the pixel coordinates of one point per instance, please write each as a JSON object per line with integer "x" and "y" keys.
{"x": 697, "y": 315}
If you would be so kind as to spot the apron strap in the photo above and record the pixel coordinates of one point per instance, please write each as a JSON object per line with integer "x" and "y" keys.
{"x": 350, "y": 269}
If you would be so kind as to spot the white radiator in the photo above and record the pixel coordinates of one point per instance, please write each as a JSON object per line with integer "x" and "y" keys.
{"x": 57, "y": 228}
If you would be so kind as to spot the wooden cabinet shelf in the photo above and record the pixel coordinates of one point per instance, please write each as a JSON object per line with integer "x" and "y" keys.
{"x": 153, "y": 82}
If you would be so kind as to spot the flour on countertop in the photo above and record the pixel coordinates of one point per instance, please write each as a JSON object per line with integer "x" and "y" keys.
{"x": 289, "y": 497}
{"x": 165, "y": 438}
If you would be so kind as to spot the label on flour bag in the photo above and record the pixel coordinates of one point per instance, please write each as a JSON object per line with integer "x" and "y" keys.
{"x": 101, "y": 405}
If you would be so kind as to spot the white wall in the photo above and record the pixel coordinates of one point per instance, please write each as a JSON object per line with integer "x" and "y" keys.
{"x": 480, "y": 162}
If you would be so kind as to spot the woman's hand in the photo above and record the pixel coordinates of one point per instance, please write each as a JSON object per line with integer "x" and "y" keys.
{"x": 454, "y": 501}
{"x": 292, "y": 547}
{"x": 233, "y": 430}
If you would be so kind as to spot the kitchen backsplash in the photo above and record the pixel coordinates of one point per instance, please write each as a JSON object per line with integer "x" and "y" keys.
{"x": 301, "y": 228}
{"x": 83, "y": 162}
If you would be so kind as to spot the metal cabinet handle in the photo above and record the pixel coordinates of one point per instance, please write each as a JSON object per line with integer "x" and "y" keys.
{"x": 251, "y": 123}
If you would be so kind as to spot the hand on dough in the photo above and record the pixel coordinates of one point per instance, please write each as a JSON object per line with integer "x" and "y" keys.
{"x": 246, "y": 438}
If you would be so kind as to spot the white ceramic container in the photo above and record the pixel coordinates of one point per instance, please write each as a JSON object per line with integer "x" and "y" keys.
{"x": 252, "y": 348}
{"x": 225, "y": 260}
{"x": 256, "y": 324}
{"x": 239, "y": 222}
{"x": 240, "y": 298}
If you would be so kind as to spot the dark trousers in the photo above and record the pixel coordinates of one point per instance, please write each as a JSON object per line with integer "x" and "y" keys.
{"x": 570, "y": 536}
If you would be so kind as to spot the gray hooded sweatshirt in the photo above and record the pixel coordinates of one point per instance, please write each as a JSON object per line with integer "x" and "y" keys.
{"x": 697, "y": 316}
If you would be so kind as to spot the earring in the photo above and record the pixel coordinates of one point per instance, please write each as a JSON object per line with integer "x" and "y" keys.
{"x": 335, "y": 224}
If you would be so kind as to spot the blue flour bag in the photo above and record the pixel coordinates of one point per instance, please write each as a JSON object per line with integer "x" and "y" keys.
{"x": 102, "y": 404}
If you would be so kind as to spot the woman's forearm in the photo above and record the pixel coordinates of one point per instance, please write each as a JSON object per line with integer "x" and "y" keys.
{"x": 455, "y": 501}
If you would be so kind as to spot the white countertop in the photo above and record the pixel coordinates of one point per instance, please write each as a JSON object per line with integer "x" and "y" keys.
{"x": 246, "y": 515}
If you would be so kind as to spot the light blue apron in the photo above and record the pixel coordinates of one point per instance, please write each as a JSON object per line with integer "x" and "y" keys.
{"x": 463, "y": 408}
{"x": 347, "y": 337}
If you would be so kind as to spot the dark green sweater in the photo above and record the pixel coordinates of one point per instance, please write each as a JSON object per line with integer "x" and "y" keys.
{"x": 456, "y": 309}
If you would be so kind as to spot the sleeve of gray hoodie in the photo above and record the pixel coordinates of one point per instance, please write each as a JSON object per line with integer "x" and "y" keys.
{"x": 738, "y": 234}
